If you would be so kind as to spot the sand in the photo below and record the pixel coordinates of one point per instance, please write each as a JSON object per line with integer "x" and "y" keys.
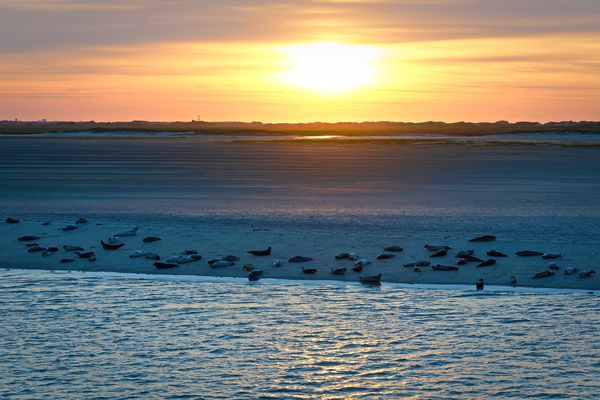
{"x": 319, "y": 245}
{"x": 310, "y": 199}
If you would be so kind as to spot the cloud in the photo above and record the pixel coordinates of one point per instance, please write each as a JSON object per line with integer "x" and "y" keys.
{"x": 35, "y": 25}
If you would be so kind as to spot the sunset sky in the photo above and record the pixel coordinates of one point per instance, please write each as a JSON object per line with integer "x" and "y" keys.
{"x": 300, "y": 60}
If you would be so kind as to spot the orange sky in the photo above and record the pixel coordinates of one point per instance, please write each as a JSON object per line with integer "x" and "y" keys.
{"x": 231, "y": 60}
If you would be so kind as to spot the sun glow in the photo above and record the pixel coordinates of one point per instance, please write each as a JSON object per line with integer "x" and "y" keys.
{"x": 330, "y": 68}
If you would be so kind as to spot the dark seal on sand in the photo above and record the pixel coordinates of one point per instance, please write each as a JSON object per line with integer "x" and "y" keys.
{"x": 309, "y": 271}
{"x": 108, "y": 246}
{"x": 358, "y": 268}
{"x": 440, "y": 253}
{"x": 150, "y": 239}
{"x": 479, "y": 284}
{"x": 543, "y": 274}
{"x": 338, "y": 271}
{"x": 392, "y": 248}
{"x": 27, "y": 238}
{"x": 266, "y": 252}
{"x": 297, "y": 259}
{"x": 494, "y": 253}
{"x": 528, "y": 253}
{"x": 161, "y": 265}
{"x": 69, "y": 228}
{"x": 484, "y": 238}
{"x": 10, "y": 220}
{"x": 255, "y": 275}
{"x": 89, "y": 254}
{"x": 440, "y": 267}
{"x": 371, "y": 280}
{"x": 486, "y": 263}
{"x": 551, "y": 256}
{"x": 385, "y": 256}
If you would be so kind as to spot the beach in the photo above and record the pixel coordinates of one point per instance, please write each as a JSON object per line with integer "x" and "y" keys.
{"x": 305, "y": 198}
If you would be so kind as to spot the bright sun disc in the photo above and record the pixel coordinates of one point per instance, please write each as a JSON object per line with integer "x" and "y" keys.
{"x": 331, "y": 67}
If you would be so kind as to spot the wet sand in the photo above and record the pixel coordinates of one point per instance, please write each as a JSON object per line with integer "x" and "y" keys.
{"x": 312, "y": 199}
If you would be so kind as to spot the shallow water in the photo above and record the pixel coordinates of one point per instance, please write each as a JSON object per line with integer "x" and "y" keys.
{"x": 75, "y": 335}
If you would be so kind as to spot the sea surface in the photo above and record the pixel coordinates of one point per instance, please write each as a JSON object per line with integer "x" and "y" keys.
{"x": 83, "y": 335}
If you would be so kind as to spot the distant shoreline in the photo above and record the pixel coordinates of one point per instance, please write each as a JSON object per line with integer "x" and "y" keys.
{"x": 269, "y": 129}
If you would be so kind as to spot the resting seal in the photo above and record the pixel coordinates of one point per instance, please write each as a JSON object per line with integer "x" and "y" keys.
{"x": 266, "y": 252}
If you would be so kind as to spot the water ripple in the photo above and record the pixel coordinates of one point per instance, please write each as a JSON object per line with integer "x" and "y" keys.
{"x": 82, "y": 336}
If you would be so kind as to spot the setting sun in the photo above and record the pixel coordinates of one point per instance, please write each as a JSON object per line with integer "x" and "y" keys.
{"x": 331, "y": 67}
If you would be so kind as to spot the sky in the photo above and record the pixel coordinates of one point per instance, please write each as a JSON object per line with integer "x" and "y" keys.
{"x": 300, "y": 60}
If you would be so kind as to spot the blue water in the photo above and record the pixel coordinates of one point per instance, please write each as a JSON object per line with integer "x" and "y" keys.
{"x": 78, "y": 335}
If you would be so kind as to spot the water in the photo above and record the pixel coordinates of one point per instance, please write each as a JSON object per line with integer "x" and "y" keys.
{"x": 76, "y": 335}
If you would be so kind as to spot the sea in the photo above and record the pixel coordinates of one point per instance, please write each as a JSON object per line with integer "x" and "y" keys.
{"x": 71, "y": 335}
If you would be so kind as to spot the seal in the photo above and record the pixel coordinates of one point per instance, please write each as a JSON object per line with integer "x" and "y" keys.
{"x": 81, "y": 221}
{"x": 108, "y": 246}
{"x": 342, "y": 256}
{"x": 69, "y": 247}
{"x": 297, "y": 259}
{"x": 338, "y": 271}
{"x": 363, "y": 261}
{"x": 528, "y": 253}
{"x": 137, "y": 254}
{"x": 182, "y": 259}
{"x": 49, "y": 251}
{"x": 543, "y": 274}
{"x": 494, "y": 253}
{"x": 309, "y": 271}
{"x": 479, "y": 284}
{"x": 248, "y": 267}
{"x": 161, "y": 265}
{"x": 69, "y": 228}
{"x": 266, "y": 252}
{"x": 393, "y": 248}
{"x": 88, "y": 254}
{"x": 276, "y": 263}
{"x": 370, "y": 280}
{"x": 358, "y": 268}
{"x": 131, "y": 232}
{"x": 189, "y": 252}
{"x": 461, "y": 261}
{"x": 484, "y": 238}
{"x": 587, "y": 273}
{"x": 469, "y": 258}
{"x": 571, "y": 270}
{"x": 420, "y": 263}
{"x": 551, "y": 256}
{"x": 553, "y": 266}
{"x": 67, "y": 260}
{"x": 27, "y": 238}
{"x": 432, "y": 248}
{"x": 150, "y": 239}
{"x": 152, "y": 256}
{"x": 35, "y": 249}
{"x": 439, "y": 253}
{"x": 513, "y": 281}
{"x": 464, "y": 253}
{"x": 440, "y": 267}
{"x": 255, "y": 275}
{"x": 219, "y": 263}
{"x": 10, "y": 220}
{"x": 385, "y": 256}
{"x": 486, "y": 263}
